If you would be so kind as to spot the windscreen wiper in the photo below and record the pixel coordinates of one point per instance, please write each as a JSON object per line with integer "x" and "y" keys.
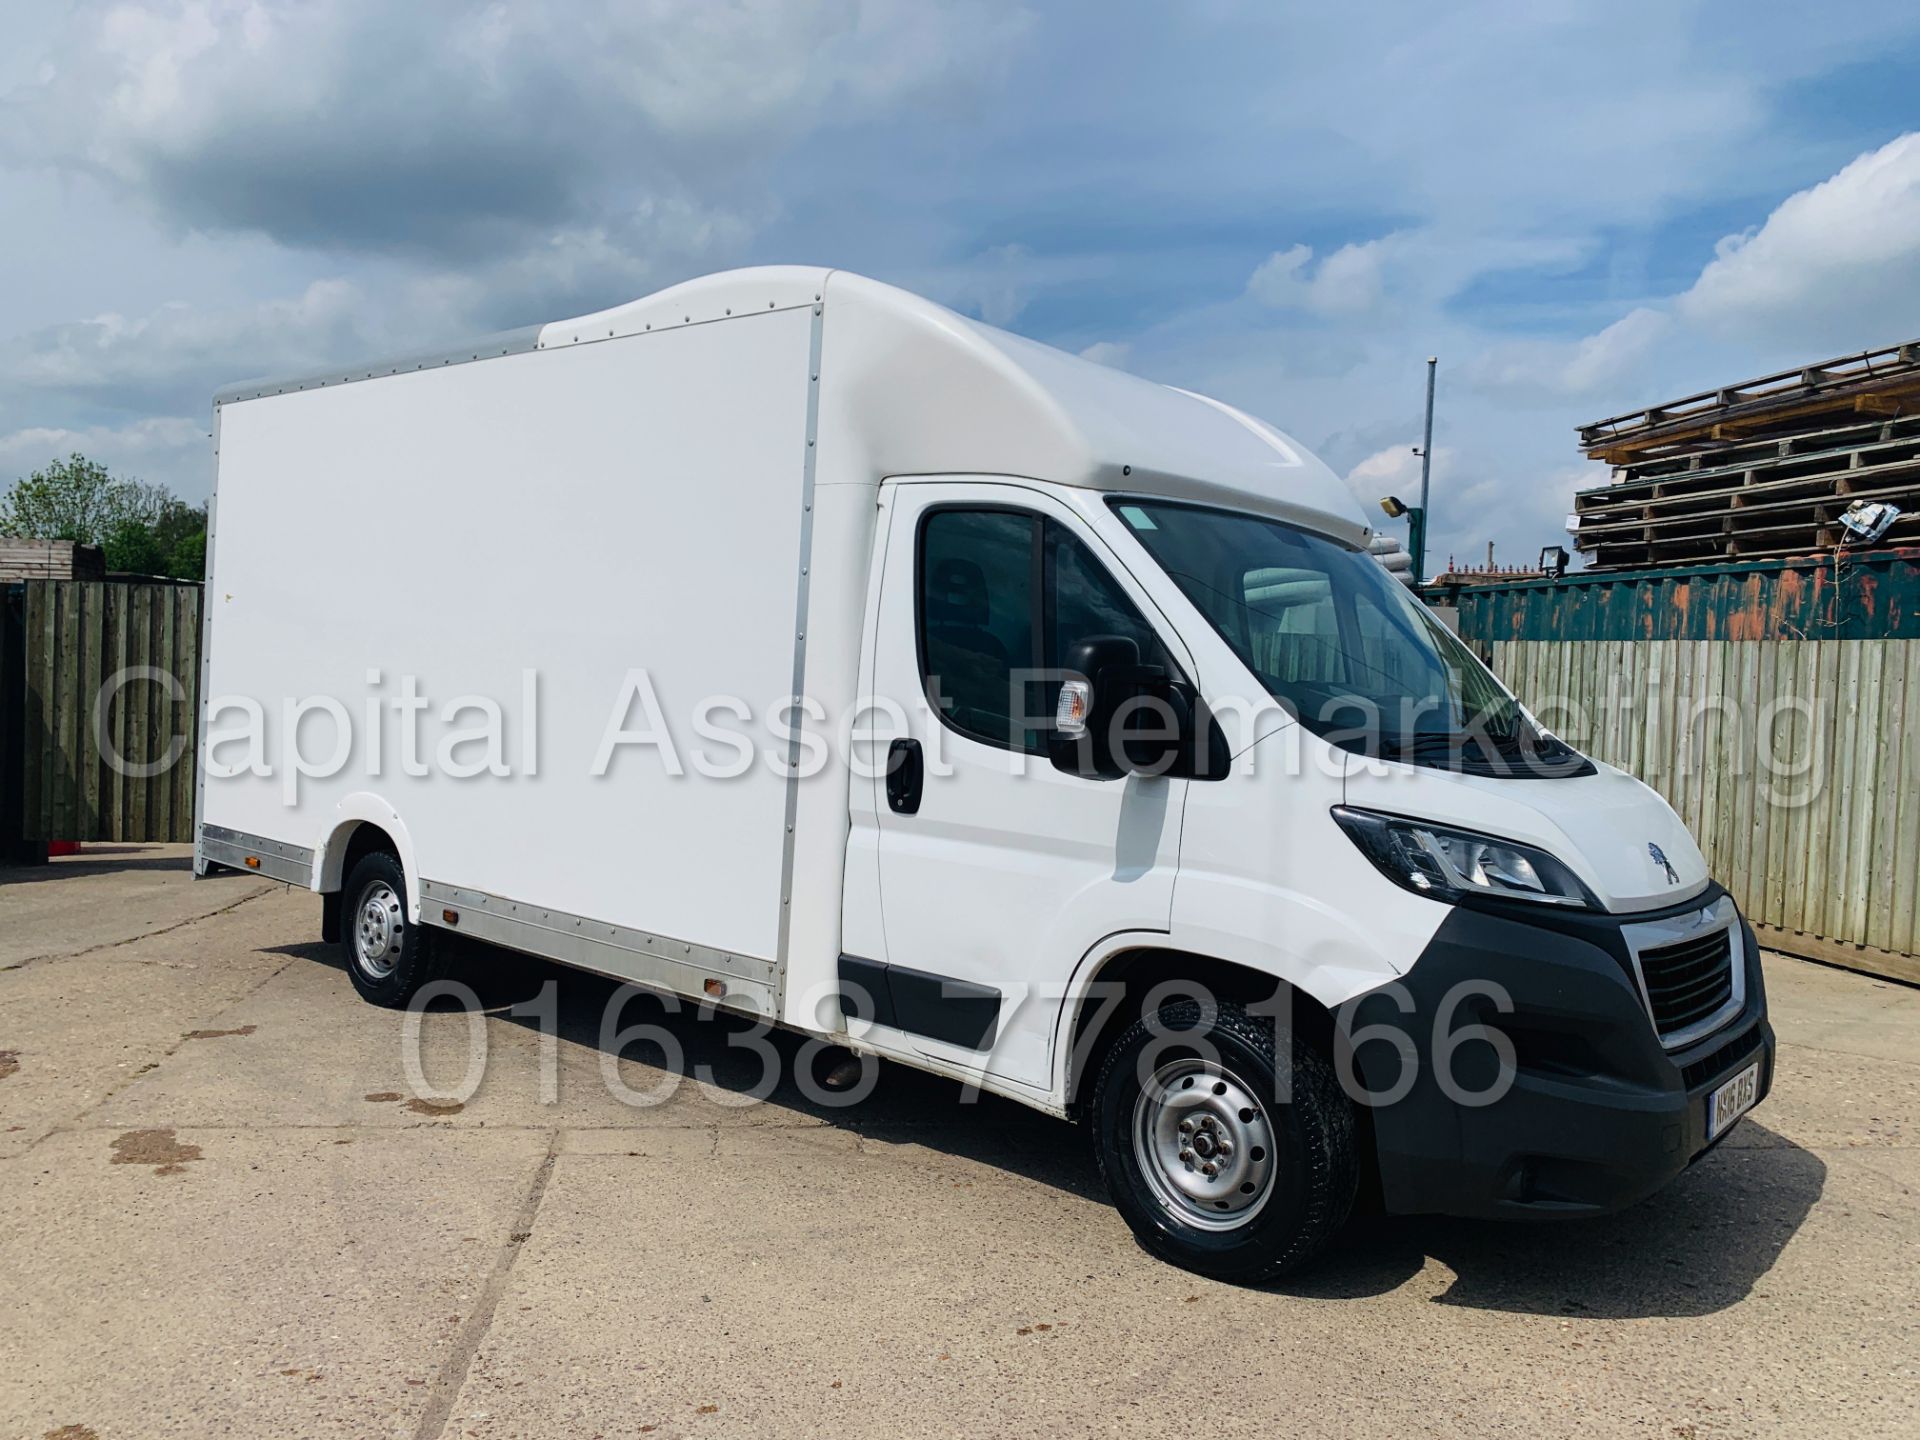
{"x": 1426, "y": 742}
{"x": 1511, "y": 751}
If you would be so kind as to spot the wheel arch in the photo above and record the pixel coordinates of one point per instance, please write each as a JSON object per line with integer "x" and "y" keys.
{"x": 1140, "y": 963}
{"x": 361, "y": 823}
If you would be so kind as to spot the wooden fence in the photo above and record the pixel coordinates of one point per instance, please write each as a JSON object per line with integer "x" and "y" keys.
{"x": 104, "y": 700}
{"x": 1796, "y": 764}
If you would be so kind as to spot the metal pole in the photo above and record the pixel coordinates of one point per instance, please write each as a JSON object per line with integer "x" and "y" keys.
{"x": 1426, "y": 468}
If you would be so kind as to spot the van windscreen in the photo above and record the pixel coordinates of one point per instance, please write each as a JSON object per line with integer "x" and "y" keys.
{"x": 1332, "y": 636}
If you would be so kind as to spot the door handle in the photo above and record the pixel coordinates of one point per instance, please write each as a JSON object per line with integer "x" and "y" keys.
{"x": 906, "y": 773}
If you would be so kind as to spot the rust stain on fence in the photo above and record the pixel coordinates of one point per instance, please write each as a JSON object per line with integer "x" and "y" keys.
{"x": 1845, "y": 595}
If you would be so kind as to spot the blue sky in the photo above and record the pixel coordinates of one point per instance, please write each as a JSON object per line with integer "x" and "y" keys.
{"x": 1581, "y": 208}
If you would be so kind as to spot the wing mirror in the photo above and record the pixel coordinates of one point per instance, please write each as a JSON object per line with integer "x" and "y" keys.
{"x": 1116, "y": 716}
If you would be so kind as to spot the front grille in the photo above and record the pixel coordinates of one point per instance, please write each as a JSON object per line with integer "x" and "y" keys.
{"x": 1688, "y": 982}
{"x": 1726, "y": 1058}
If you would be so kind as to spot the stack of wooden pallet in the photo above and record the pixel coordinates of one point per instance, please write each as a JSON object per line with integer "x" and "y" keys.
{"x": 1759, "y": 469}
{"x": 24, "y": 559}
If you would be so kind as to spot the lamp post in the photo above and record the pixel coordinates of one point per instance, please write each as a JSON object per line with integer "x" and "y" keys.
{"x": 1417, "y": 518}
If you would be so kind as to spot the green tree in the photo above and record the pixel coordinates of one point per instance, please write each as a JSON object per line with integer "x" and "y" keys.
{"x": 78, "y": 499}
{"x": 177, "y": 521}
{"x": 144, "y": 529}
{"x": 133, "y": 547}
{"x": 180, "y": 531}
{"x": 188, "y": 558}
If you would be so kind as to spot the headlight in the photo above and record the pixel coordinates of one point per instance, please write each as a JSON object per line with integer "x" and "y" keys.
{"x": 1445, "y": 864}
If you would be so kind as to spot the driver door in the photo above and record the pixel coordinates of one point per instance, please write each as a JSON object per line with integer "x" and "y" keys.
{"x": 997, "y": 872}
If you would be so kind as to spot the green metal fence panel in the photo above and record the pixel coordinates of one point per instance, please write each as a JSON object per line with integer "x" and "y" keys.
{"x": 107, "y": 717}
{"x": 1843, "y": 595}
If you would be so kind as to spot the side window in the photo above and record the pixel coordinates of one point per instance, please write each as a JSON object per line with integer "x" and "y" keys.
{"x": 1084, "y": 600}
{"x": 989, "y": 653}
{"x": 977, "y": 619}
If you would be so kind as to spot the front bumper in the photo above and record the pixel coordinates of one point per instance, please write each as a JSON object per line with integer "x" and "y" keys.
{"x": 1592, "y": 1115}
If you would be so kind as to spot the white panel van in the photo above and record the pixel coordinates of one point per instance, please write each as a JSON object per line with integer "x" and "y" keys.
{"x": 792, "y": 643}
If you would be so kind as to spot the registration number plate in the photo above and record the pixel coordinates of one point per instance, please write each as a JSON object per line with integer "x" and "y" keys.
{"x": 1732, "y": 1100}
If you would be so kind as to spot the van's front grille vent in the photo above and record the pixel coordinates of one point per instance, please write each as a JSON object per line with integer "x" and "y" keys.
{"x": 1721, "y": 1060}
{"x": 1689, "y": 982}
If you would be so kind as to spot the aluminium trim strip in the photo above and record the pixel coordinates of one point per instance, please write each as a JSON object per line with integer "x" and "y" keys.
{"x": 617, "y": 951}
{"x": 522, "y": 341}
{"x": 279, "y": 860}
{"x": 206, "y": 661}
{"x": 664, "y": 328}
{"x": 488, "y": 347}
{"x": 803, "y": 584}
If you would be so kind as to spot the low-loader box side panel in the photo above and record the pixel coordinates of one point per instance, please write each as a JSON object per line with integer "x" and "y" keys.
{"x": 529, "y": 533}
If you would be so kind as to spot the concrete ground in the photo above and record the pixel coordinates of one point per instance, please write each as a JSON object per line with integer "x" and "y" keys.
{"x": 228, "y": 1212}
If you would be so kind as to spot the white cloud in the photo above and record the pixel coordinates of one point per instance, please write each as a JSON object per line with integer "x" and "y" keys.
{"x": 433, "y": 127}
{"x": 1835, "y": 267}
{"x": 1603, "y": 359}
{"x": 196, "y": 165}
{"x": 1840, "y": 260}
{"x": 694, "y": 66}
{"x": 167, "y": 450}
{"x": 1571, "y": 369}
{"x": 174, "y": 354}
{"x": 1351, "y": 281}
{"x": 1280, "y": 280}
{"x": 1395, "y": 471}
{"x": 999, "y": 284}
{"x": 1112, "y": 353}
{"x": 575, "y": 269}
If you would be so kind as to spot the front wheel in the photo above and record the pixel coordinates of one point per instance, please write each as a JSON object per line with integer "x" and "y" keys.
{"x": 1215, "y": 1165}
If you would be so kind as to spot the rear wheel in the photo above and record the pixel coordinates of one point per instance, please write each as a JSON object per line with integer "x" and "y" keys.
{"x": 1210, "y": 1169}
{"x": 388, "y": 956}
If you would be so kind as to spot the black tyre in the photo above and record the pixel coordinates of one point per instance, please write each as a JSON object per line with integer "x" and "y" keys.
{"x": 388, "y": 956}
{"x": 1208, "y": 1169}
